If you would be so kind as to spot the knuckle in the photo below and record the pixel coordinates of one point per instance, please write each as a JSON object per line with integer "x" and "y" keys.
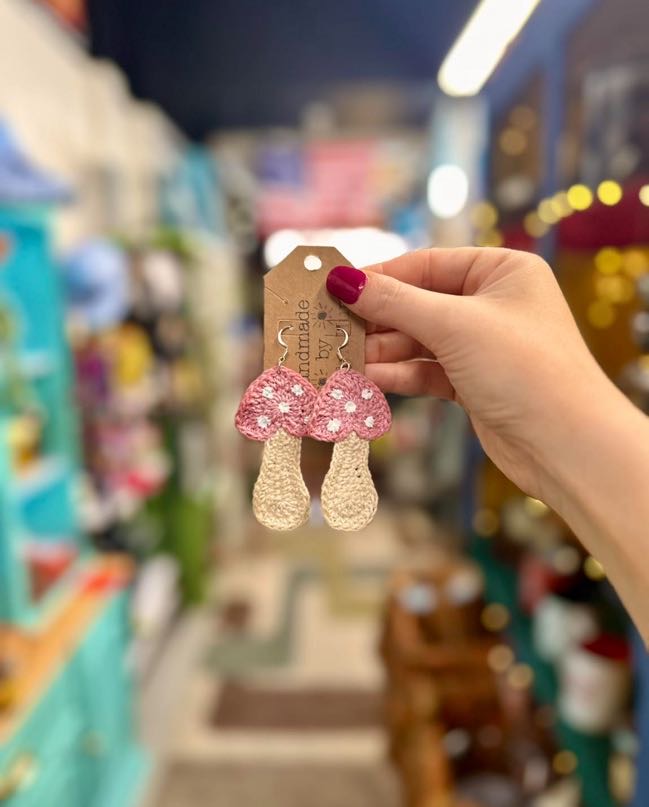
{"x": 389, "y": 295}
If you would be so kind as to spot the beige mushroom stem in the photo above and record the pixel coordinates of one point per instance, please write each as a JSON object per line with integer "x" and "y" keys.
{"x": 349, "y": 498}
{"x": 280, "y": 499}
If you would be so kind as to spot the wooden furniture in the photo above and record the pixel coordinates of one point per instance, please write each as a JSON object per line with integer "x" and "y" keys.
{"x": 438, "y": 679}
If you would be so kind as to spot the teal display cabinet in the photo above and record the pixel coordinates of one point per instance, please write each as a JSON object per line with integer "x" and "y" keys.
{"x": 73, "y": 743}
{"x": 37, "y": 507}
{"x": 74, "y": 746}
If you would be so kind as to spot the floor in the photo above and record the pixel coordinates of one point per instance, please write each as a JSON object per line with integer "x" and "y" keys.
{"x": 303, "y": 619}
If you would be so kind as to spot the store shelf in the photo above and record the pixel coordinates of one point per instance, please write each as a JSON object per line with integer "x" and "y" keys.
{"x": 40, "y": 477}
{"x": 592, "y": 752}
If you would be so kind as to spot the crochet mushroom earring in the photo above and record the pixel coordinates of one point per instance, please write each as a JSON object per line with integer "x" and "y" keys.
{"x": 276, "y": 409}
{"x": 350, "y": 410}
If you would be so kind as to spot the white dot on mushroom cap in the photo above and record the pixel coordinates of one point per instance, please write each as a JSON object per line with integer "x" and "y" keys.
{"x": 333, "y": 426}
{"x": 350, "y": 407}
{"x": 267, "y": 392}
{"x": 284, "y": 407}
{"x": 337, "y": 394}
{"x": 366, "y": 394}
{"x": 296, "y": 389}
{"x": 369, "y": 421}
{"x": 263, "y": 421}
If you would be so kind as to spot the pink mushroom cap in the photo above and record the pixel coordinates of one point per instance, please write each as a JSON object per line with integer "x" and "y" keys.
{"x": 349, "y": 402}
{"x": 278, "y": 399}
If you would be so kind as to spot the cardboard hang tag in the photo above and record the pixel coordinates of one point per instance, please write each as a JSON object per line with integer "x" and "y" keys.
{"x": 295, "y": 294}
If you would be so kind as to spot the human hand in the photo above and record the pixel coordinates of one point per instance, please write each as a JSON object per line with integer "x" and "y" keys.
{"x": 488, "y": 328}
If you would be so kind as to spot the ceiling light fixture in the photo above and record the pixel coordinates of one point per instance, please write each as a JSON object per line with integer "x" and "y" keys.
{"x": 482, "y": 44}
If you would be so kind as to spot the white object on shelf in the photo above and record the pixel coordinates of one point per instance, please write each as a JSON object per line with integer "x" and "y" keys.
{"x": 40, "y": 475}
{"x": 594, "y": 690}
{"x": 154, "y": 604}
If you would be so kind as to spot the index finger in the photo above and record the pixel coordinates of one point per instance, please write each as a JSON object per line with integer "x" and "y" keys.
{"x": 434, "y": 269}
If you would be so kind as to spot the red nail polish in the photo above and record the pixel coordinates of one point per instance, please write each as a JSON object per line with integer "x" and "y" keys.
{"x": 346, "y": 283}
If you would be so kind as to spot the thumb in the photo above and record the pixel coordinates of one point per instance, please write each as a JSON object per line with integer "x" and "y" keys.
{"x": 391, "y": 303}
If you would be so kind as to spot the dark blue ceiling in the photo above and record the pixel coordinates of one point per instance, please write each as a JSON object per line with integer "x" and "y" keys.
{"x": 237, "y": 63}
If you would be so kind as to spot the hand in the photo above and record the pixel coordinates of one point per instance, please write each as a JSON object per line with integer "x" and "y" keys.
{"x": 505, "y": 343}
{"x": 508, "y": 349}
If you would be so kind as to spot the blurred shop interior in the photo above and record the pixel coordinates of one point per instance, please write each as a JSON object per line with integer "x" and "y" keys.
{"x": 157, "y": 645}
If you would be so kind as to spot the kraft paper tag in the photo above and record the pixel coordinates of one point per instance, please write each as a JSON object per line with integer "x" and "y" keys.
{"x": 295, "y": 294}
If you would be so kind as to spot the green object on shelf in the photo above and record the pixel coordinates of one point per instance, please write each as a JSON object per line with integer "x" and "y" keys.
{"x": 184, "y": 523}
{"x": 190, "y": 526}
{"x": 592, "y": 752}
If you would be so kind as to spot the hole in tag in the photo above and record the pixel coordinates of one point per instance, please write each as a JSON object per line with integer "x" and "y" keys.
{"x": 312, "y": 263}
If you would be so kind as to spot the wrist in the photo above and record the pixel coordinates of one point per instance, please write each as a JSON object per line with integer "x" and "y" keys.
{"x": 595, "y": 475}
{"x": 588, "y": 429}
{"x": 595, "y": 452}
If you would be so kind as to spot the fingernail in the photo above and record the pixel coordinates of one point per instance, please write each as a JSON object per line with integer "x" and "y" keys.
{"x": 346, "y": 283}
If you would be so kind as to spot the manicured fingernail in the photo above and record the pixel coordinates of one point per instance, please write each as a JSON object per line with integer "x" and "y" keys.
{"x": 346, "y": 283}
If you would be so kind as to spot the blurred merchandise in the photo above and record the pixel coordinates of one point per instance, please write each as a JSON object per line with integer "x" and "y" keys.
{"x": 595, "y": 684}
{"x": 60, "y": 644}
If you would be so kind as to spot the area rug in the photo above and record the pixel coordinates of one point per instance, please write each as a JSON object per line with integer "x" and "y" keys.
{"x": 243, "y": 706}
{"x": 194, "y": 784}
{"x": 234, "y": 654}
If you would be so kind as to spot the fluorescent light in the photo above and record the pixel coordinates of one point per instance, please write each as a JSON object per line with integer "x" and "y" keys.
{"x": 482, "y": 44}
{"x": 448, "y": 191}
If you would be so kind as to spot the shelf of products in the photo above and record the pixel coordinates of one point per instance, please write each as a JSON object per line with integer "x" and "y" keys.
{"x": 64, "y": 631}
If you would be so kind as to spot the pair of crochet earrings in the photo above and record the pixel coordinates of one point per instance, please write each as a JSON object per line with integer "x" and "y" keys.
{"x": 281, "y": 407}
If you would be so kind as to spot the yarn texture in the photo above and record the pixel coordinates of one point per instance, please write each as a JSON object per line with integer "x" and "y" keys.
{"x": 349, "y": 411}
{"x": 349, "y": 403}
{"x": 276, "y": 408}
{"x": 280, "y": 499}
{"x": 348, "y": 497}
{"x": 279, "y": 398}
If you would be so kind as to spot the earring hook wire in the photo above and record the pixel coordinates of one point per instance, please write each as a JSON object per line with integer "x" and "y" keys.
{"x": 344, "y": 364}
{"x": 280, "y": 339}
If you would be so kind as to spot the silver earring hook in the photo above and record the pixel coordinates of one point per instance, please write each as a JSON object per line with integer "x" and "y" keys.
{"x": 280, "y": 339}
{"x": 344, "y": 364}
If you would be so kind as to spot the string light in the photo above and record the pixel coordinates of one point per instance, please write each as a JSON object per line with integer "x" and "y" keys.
{"x": 564, "y": 763}
{"x": 601, "y": 314}
{"x": 608, "y": 260}
{"x": 484, "y": 215}
{"x": 546, "y": 212}
{"x": 643, "y": 193}
{"x": 614, "y": 288}
{"x": 521, "y": 676}
{"x": 534, "y": 226}
{"x": 550, "y": 211}
{"x": 635, "y": 263}
{"x": 561, "y": 204}
{"x": 500, "y": 658}
{"x": 579, "y": 197}
{"x": 495, "y": 617}
{"x": 609, "y": 192}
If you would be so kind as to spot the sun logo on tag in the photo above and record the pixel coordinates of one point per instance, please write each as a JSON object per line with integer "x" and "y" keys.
{"x": 321, "y": 315}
